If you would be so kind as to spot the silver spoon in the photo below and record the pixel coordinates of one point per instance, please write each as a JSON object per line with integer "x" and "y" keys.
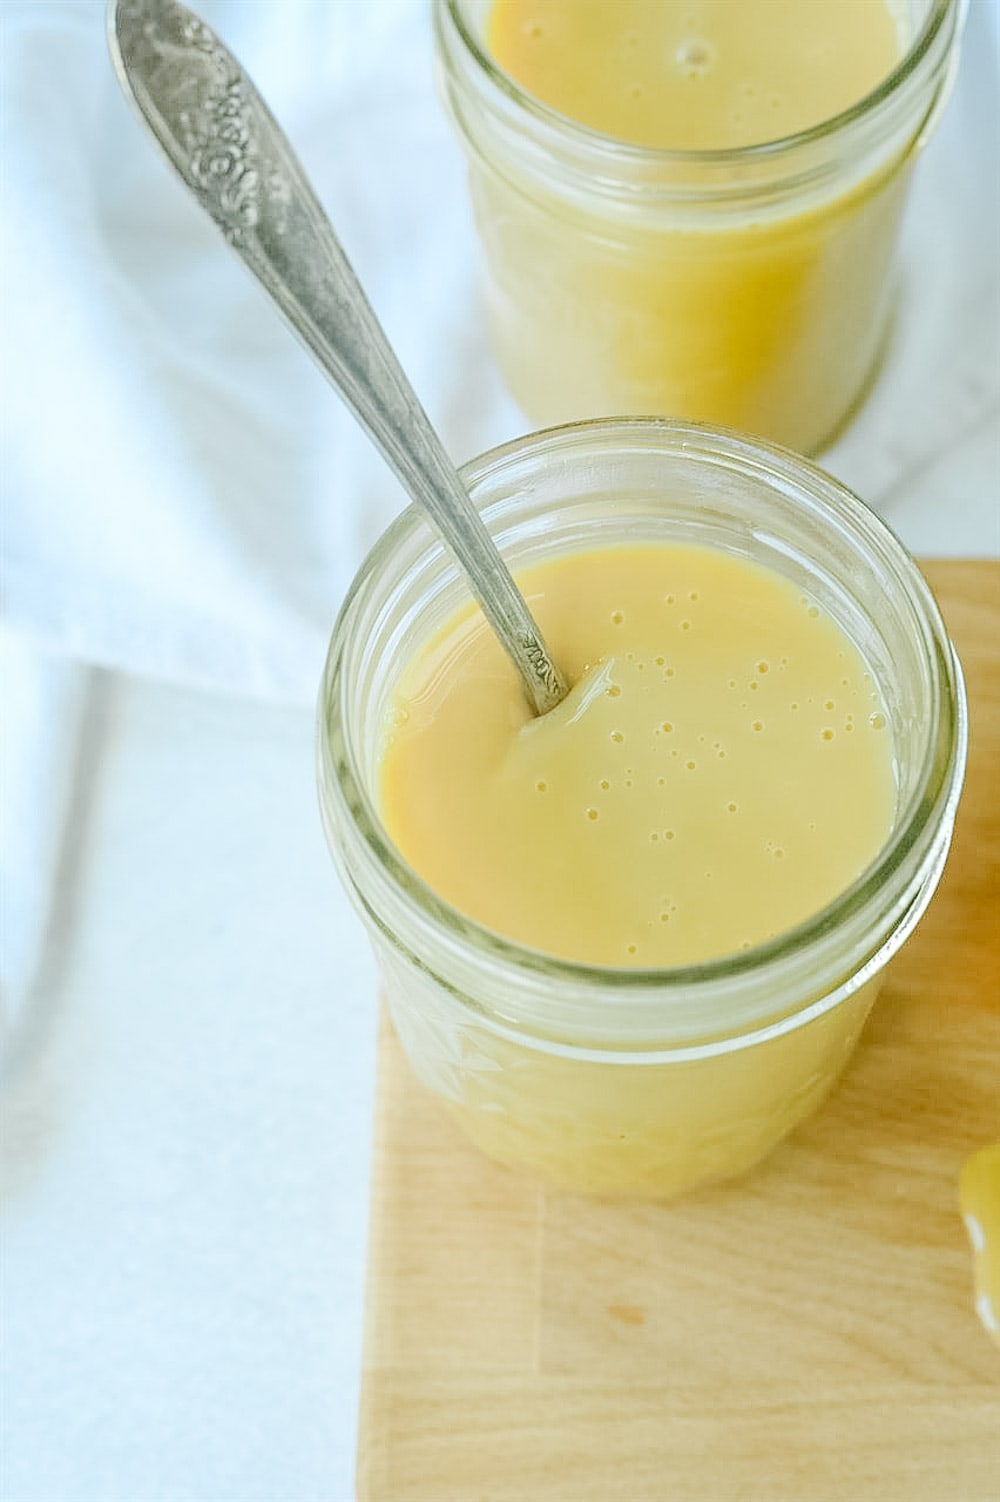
{"x": 229, "y": 150}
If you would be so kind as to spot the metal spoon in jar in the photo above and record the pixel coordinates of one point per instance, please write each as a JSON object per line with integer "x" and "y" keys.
{"x": 227, "y": 147}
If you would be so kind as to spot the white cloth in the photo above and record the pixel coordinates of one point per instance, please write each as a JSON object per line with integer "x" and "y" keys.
{"x": 184, "y": 496}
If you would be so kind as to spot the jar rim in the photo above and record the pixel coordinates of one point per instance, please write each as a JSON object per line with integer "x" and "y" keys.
{"x": 928, "y": 806}
{"x": 574, "y": 133}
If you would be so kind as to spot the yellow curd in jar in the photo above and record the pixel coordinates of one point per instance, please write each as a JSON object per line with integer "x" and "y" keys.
{"x": 696, "y": 75}
{"x": 764, "y": 315}
{"x": 720, "y": 771}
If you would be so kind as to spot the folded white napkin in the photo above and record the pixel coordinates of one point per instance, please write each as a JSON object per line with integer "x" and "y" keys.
{"x": 185, "y": 497}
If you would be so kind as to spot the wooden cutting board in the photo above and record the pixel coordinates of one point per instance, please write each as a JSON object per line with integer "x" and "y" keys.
{"x": 805, "y": 1335}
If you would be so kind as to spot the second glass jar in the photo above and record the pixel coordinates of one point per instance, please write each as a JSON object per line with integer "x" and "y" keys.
{"x": 750, "y": 288}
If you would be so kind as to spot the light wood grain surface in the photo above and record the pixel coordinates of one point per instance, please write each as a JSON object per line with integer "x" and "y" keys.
{"x": 805, "y": 1335}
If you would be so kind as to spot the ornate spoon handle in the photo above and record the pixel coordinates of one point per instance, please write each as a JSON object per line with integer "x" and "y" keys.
{"x": 230, "y": 151}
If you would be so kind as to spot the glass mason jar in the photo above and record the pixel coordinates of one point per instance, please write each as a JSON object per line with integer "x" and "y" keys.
{"x": 629, "y": 1081}
{"x": 750, "y": 288}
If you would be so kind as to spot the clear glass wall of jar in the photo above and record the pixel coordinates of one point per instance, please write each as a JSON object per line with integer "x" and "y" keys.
{"x": 750, "y": 288}
{"x": 640, "y": 1082}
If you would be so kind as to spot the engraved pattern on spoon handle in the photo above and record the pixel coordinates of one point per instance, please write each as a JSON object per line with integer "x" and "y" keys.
{"x": 227, "y": 147}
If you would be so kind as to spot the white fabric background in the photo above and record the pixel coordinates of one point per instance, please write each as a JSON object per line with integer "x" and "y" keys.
{"x": 188, "y": 497}
{"x": 184, "y": 501}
